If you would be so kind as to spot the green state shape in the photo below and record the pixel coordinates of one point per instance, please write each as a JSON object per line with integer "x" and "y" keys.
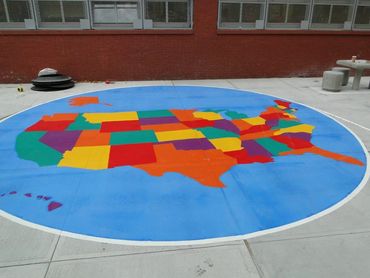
{"x": 235, "y": 115}
{"x": 133, "y": 137}
{"x": 213, "y": 133}
{"x": 272, "y": 146}
{"x": 154, "y": 114}
{"x": 81, "y": 123}
{"x": 286, "y": 123}
{"x": 29, "y": 147}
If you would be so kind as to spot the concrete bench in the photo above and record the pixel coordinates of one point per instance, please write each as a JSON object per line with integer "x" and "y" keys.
{"x": 332, "y": 81}
{"x": 345, "y": 74}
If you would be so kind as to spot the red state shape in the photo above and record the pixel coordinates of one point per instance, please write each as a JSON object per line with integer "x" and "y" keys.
{"x": 255, "y": 128}
{"x": 120, "y": 126}
{"x": 242, "y": 157}
{"x": 272, "y": 116}
{"x": 131, "y": 154}
{"x": 198, "y": 123}
{"x": 49, "y": 126}
{"x": 283, "y": 103}
{"x": 291, "y": 142}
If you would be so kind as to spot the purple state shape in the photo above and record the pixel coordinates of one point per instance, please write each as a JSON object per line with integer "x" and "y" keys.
{"x": 226, "y": 125}
{"x": 272, "y": 122}
{"x": 61, "y": 140}
{"x": 300, "y": 135}
{"x": 159, "y": 120}
{"x": 193, "y": 144}
{"x": 28, "y": 195}
{"x": 53, "y": 206}
{"x": 255, "y": 149}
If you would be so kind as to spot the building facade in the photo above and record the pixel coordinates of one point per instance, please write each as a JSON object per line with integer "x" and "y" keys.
{"x": 179, "y": 39}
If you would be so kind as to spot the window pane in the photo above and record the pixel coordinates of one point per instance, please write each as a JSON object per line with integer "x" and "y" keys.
{"x": 18, "y": 11}
{"x": 2, "y": 12}
{"x": 156, "y": 11}
{"x": 127, "y": 12}
{"x": 73, "y": 11}
{"x": 251, "y": 12}
{"x": 104, "y": 12}
{"x": 177, "y": 12}
{"x": 277, "y": 13}
{"x": 339, "y": 14}
{"x": 50, "y": 11}
{"x": 296, "y": 13}
{"x": 321, "y": 14}
{"x": 363, "y": 15}
{"x": 230, "y": 12}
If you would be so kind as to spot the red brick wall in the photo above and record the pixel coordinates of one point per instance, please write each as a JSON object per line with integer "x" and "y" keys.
{"x": 201, "y": 53}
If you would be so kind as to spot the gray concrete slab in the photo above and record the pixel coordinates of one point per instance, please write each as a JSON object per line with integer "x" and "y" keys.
{"x": 339, "y": 256}
{"x": 221, "y": 261}
{"x": 23, "y": 245}
{"x": 70, "y": 248}
{"x": 29, "y": 271}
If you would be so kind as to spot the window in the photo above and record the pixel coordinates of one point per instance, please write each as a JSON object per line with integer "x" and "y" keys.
{"x": 241, "y": 14}
{"x": 57, "y": 13}
{"x": 169, "y": 14}
{"x": 115, "y": 14}
{"x": 332, "y": 14}
{"x": 287, "y": 14}
{"x": 14, "y": 12}
{"x": 362, "y": 20}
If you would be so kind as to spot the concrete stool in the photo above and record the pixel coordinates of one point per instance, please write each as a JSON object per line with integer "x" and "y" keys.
{"x": 345, "y": 72}
{"x": 332, "y": 81}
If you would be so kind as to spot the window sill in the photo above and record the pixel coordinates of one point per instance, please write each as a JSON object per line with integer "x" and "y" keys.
{"x": 293, "y": 32}
{"x": 100, "y": 32}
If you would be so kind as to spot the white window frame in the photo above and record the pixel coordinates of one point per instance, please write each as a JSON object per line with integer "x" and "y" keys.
{"x": 15, "y": 25}
{"x": 59, "y": 25}
{"x": 134, "y": 25}
{"x": 334, "y": 26}
{"x": 240, "y": 24}
{"x": 286, "y": 24}
{"x": 361, "y": 27}
{"x": 167, "y": 24}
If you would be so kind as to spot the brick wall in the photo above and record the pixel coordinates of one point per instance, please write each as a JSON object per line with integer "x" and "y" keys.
{"x": 203, "y": 52}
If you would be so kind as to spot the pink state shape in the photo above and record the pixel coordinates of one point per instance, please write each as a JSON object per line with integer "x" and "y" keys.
{"x": 54, "y": 205}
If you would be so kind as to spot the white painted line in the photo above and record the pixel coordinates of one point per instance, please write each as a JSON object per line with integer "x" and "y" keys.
{"x": 212, "y": 240}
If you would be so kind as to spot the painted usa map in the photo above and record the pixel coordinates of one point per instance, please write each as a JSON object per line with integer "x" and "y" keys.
{"x": 201, "y": 145}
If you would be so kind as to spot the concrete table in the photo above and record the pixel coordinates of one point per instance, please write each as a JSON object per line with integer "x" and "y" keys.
{"x": 359, "y": 66}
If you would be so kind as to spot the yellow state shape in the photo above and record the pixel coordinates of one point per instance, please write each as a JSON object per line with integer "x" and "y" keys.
{"x": 281, "y": 107}
{"x": 92, "y": 158}
{"x": 227, "y": 144}
{"x": 211, "y": 116}
{"x": 164, "y": 136}
{"x": 255, "y": 121}
{"x": 291, "y": 116}
{"x": 96, "y": 118}
{"x": 294, "y": 129}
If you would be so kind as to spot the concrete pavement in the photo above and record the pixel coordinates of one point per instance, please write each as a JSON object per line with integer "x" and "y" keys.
{"x": 336, "y": 245}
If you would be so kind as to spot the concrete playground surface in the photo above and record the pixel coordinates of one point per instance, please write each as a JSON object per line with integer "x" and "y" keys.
{"x": 335, "y": 245}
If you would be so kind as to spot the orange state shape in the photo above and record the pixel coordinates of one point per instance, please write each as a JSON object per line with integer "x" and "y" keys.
{"x": 184, "y": 115}
{"x": 204, "y": 166}
{"x": 60, "y": 117}
{"x": 81, "y": 101}
{"x": 325, "y": 153}
{"x": 93, "y": 138}
{"x": 241, "y": 125}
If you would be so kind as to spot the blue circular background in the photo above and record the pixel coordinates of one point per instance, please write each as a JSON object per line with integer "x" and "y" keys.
{"x": 127, "y": 203}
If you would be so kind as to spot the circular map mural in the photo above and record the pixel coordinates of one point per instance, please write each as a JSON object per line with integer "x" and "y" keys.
{"x": 174, "y": 163}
